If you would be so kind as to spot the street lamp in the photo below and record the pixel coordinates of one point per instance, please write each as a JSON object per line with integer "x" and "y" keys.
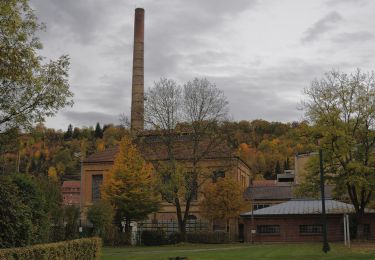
{"x": 326, "y": 247}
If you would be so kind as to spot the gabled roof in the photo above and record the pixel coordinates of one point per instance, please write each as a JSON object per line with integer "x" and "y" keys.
{"x": 305, "y": 207}
{"x": 153, "y": 148}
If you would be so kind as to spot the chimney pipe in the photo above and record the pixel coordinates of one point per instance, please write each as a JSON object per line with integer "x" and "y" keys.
{"x": 137, "y": 106}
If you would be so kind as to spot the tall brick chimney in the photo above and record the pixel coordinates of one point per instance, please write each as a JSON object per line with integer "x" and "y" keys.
{"x": 137, "y": 107}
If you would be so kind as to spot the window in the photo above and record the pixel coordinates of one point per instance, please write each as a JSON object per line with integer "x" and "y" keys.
{"x": 191, "y": 185}
{"x": 310, "y": 229}
{"x": 97, "y": 181}
{"x": 217, "y": 174}
{"x": 268, "y": 229}
{"x": 260, "y": 206}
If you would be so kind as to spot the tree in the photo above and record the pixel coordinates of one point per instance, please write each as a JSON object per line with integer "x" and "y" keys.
{"x": 101, "y": 216}
{"x": 98, "y": 131}
{"x": 15, "y": 222}
{"x": 29, "y": 89}
{"x": 342, "y": 109}
{"x": 196, "y": 112}
{"x": 129, "y": 186}
{"x": 277, "y": 168}
{"x": 223, "y": 200}
{"x": 69, "y": 133}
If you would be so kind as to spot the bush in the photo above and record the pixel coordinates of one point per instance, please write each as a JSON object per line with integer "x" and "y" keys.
{"x": 153, "y": 238}
{"x": 86, "y": 248}
{"x": 217, "y": 237}
{"x": 101, "y": 216}
{"x": 174, "y": 238}
{"x": 114, "y": 237}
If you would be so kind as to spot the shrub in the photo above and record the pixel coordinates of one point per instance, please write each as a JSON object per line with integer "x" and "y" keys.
{"x": 174, "y": 238}
{"x": 153, "y": 238}
{"x": 114, "y": 237}
{"x": 217, "y": 237}
{"x": 101, "y": 216}
{"x": 85, "y": 248}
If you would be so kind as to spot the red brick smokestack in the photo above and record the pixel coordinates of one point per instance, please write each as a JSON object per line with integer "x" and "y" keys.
{"x": 137, "y": 108}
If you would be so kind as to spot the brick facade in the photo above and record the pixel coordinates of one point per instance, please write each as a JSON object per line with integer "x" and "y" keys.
{"x": 289, "y": 228}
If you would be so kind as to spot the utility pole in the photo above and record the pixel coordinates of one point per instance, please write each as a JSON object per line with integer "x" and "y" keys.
{"x": 326, "y": 247}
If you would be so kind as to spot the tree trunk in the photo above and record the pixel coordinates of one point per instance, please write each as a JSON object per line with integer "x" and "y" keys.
{"x": 128, "y": 231}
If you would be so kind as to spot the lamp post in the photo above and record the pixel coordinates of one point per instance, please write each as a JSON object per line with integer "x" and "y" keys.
{"x": 326, "y": 247}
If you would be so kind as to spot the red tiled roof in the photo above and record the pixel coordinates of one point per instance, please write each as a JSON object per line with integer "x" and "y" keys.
{"x": 71, "y": 184}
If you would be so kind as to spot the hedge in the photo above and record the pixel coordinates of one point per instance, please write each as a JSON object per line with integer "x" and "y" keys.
{"x": 85, "y": 248}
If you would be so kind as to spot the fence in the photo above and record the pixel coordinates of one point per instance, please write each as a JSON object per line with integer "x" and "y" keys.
{"x": 170, "y": 226}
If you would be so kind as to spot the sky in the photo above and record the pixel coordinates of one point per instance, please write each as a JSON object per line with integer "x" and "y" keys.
{"x": 261, "y": 53}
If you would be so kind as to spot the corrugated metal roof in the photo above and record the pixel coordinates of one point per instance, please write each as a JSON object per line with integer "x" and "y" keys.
{"x": 305, "y": 207}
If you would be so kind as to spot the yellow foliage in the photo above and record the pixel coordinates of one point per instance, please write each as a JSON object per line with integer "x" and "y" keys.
{"x": 52, "y": 174}
{"x": 130, "y": 183}
{"x": 223, "y": 200}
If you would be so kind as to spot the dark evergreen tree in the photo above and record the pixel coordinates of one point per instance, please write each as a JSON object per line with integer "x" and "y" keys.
{"x": 277, "y": 168}
{"x": 69, "y": 133}
{"x": 98, "y": 131}
{"x": 286, "y": 164}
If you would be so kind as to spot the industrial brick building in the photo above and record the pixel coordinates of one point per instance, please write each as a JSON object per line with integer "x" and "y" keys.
{"x": 299, "y": 220}
{"x": 221, "y": 161}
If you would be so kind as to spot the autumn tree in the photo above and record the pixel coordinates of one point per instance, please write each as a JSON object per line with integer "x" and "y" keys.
{"x": 30, "y": 89}
{"x": 194, "y": 111}
{"x": 342, "y": 109}
{"x": 223, "y": 200}
{"x": 130, "y": 185}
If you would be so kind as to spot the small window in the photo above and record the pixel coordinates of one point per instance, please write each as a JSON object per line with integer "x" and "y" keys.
{"x": 268, "y": 229}
{"x": 260, "y": 206}
{"x": 310, "y": 229}
{"x": 217, "y": 174}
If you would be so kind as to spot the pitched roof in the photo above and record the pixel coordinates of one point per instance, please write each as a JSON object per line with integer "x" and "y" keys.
{"x": 153, "y": 148}
{"x": 269, "y": 192}
{"x": 305, "y": 207}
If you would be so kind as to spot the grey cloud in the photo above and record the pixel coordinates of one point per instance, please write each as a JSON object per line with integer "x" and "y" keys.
{"x": 322, "y": 26}
{"x": 353, "y": 37}
{"x": 343, "y": 2}
{"x": 90, "y": 118}
{"x": 82, "y": 19}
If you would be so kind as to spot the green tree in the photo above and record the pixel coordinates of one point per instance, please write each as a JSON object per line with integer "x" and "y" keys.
{"x": 342, "y": 109}
{"x": 29, "y": 89}
{"x": 98, "y": 131}
{"x": 15, "y": 222}
{"x": 129, "y": 186}
{"x": 69, "y": 133}
{"x": 101, "y": 216}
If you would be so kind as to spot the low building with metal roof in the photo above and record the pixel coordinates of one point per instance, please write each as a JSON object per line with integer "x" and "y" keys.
{"x": 299, "y": 220}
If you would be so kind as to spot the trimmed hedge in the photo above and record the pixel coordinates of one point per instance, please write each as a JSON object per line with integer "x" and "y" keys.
{"x": 216, "y": 237}
{"x": 85, "y": 248}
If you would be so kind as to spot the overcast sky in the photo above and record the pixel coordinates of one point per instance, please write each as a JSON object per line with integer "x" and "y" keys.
{"x": 262, "y": 54}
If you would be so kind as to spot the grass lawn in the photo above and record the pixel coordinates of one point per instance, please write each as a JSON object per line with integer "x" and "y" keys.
{"x": 241, "y": 251}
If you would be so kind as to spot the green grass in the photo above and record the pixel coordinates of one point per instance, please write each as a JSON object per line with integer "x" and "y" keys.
{"x": 241, "y": 251}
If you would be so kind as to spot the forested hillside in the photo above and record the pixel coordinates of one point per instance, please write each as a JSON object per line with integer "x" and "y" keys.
{"x": 268, "y": 147}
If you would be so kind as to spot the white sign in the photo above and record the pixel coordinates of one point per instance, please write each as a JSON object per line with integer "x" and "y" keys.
{"x": 253, "y": 231}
